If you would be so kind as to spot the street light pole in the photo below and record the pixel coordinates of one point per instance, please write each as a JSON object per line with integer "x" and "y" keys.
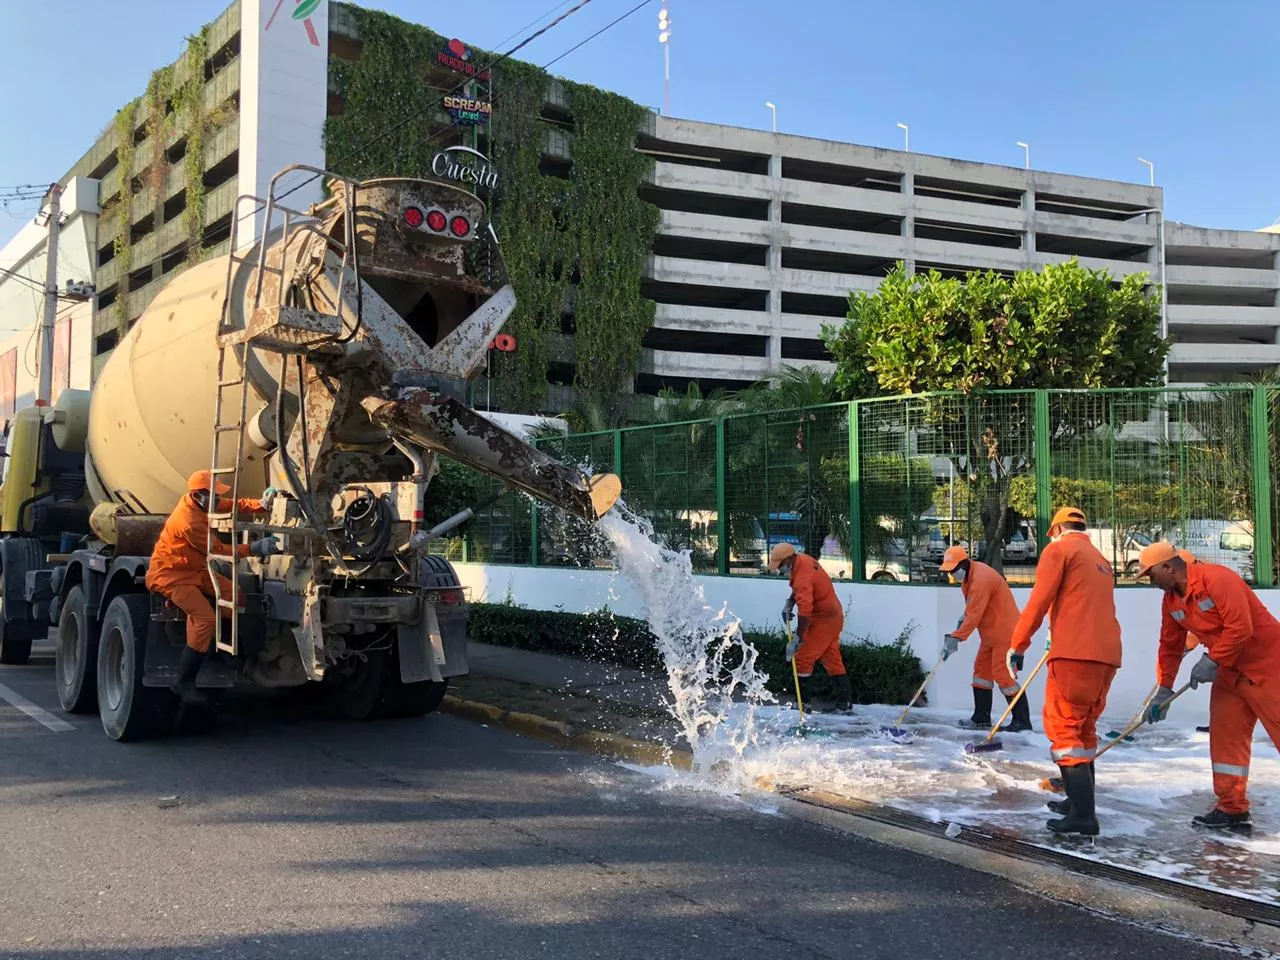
{"x": 1027, "y": 148}
{"x": 906, "y": 137}
{"x": 1151, "y": 169}
{"x": 44, "y": 383}
{"x": 664, "y": 38}
{"x": 774, "y": 110}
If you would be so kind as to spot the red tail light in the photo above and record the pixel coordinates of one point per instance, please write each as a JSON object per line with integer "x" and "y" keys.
{"x": 413, "y": 217}
{"x": 460, "y": 226}
{"x": 436, "y": 221}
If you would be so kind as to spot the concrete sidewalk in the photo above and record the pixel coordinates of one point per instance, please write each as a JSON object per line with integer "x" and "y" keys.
{"x": 600, "y": 680}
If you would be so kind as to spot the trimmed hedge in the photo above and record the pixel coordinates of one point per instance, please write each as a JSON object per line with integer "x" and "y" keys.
{"x": 880, "y": 672}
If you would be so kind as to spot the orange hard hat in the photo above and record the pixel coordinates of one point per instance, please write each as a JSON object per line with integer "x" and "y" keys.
{"x": 780, "y": 554}
{"x": 1066, "y": 515}
{"x": 203, "y": 480}
{"x": 953, "y": 558}
{"x": 1162, "y": 551}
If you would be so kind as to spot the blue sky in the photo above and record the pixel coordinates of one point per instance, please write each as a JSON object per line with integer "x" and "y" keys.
{"x": 1193, "y": 86}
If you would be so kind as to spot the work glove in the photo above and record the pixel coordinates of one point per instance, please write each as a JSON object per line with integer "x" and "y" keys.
{"x": 1013, "y": 661}
{"x": 269, "y": 495}
{"x": 787, "y": 608}
{"x": 792, "y": 646}
{"x": 265, "y": 547}
{"x": 1203, "y": 672}
{"x": 950, "y": 644}
{"x": 1158, "y": 708}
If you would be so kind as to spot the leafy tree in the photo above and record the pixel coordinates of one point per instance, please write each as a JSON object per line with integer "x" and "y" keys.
{"x": 1062, "y": 327}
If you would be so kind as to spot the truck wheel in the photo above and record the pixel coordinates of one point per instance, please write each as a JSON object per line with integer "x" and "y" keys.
{"x": 364, "y": 688}
{"x": 76, "y": 659}
{"x": 419, "y": 699}
{"x": 129, "y": 710}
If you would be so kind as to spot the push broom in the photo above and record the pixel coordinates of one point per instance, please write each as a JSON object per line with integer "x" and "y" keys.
{"x": 898, "y": 732}
{"x": 993, "y": 743}
{"x": 1054, "y": 784}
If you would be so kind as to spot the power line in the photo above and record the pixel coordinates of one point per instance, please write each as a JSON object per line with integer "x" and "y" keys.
{"x": 607, "y": 26}
{"x": 535, "y": 21}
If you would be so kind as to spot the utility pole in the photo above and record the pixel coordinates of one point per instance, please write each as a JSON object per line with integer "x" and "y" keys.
{"x": 45, "y": 384}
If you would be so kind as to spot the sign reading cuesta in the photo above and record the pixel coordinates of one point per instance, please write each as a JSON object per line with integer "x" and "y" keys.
{"x": 464, "y": 165}
{"x": 456, "y": 56}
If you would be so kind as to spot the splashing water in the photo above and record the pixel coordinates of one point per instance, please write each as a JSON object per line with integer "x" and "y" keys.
{"x": 716, "y": 690}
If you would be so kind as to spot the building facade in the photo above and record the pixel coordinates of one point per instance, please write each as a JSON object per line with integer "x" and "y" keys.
{"x": 762, "y": 235}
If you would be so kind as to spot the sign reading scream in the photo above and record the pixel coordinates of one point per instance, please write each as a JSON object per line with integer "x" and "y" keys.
{"x": 464, "y": 110}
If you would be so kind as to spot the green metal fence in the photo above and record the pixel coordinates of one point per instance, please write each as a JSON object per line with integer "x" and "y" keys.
{"x": 877, "y": 489}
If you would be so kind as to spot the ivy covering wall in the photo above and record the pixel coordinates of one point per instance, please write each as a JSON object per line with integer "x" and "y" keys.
{"x": 589, "y": 230}
{"x": 174, "y": 100}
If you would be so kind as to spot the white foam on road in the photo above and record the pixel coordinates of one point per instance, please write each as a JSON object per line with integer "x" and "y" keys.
{"x": 36, "y": 713}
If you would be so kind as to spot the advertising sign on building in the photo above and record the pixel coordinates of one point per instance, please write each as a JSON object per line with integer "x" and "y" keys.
{"x": 464, "y": 165}
{"x": 456, "y": 56}
{"x": 467, "y": 111}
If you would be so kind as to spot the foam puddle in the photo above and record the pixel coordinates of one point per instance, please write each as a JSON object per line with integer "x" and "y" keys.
{"x": 1148, "y": 790}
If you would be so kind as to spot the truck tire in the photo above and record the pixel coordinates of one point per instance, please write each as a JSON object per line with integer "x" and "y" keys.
{"x": 76, "y": 659}
{"x": 364, "y": 691}
{"x": 15, "y": 641}
{"x": 418, "y": 699}
{"x": 129, "y": 710}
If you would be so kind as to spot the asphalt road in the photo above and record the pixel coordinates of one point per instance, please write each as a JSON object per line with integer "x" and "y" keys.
{"x": 301, "y": 837}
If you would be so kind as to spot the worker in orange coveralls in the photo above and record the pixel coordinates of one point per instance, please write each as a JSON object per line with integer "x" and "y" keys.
{"x": 1241, "y": 640}
{"x": 821, "y": 618}
{"x": 1075, "y": 585}
{"x": 179, "y": 572}
{"x": 990, "y": 609}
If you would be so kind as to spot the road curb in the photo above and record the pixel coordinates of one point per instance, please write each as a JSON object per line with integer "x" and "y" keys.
{"x": 611, "y": 745}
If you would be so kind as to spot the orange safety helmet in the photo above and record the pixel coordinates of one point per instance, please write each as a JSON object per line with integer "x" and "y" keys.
{"x": 1066, "y": 515}
{"x": 780, "y": 554}
{"x": 953, "y": 558}
{"x": 203, "y": 480}
{"x": 1162, "y": 551}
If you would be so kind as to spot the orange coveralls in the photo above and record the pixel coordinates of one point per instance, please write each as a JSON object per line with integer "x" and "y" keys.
{"x": 1243, "y": 638}
{"x": 816, "y": 599}
{"x": 179, "y": 571}
{"x": 989, "y": 609}
{"x": 1075, "y": 585}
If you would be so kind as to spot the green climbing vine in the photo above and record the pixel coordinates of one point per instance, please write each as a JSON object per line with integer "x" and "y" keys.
{"x": 122, "y": 246}
{"x": 590, "y": 230}
{"x": 188, "y": 106}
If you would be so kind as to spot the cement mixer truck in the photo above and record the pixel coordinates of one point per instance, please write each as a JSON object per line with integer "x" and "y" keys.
{"x": 328, "y": 358}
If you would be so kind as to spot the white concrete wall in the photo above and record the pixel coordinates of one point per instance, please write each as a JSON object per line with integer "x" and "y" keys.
{"x": 284, "y": 83}
{"x": 875, "y": 610}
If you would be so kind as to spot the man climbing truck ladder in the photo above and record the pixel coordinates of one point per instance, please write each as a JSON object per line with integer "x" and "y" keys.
{"x": 1241, "y": 660}
{"x": 990, "y": 609}
{"x": 1075, "y": 586}
{"x": 179, "y": 569}
{"x": 821, "y": 618}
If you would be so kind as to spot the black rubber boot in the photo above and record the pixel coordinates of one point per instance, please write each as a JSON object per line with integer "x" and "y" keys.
{"x": 1080, "y": 818}
{"x": 1217, "y": 819}
{"x": 981, "y": 719}
{"x": 1064, "y": 806}
{"x": 842, "y": 691}
{"x": 188, "y": 669}
{"x": 1020, "y": 718}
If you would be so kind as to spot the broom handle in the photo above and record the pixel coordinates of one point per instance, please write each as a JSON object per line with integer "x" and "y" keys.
{"x": 912, "y": 703}
{"x": 1018, "y": 696}
{"x": 795, "y": 675}
{"x": 1140, "y": 720}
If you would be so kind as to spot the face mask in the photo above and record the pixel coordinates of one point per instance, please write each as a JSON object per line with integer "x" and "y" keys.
{"x": 958, "y": 573}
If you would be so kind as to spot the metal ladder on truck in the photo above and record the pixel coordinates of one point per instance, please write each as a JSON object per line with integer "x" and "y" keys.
{"x": 273, "y": 327}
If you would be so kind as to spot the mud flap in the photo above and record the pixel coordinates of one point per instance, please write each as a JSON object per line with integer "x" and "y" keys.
{"x": 161, "y": 666}
{"x": 421, "y": 648}
{"x": 310, "y": 635}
